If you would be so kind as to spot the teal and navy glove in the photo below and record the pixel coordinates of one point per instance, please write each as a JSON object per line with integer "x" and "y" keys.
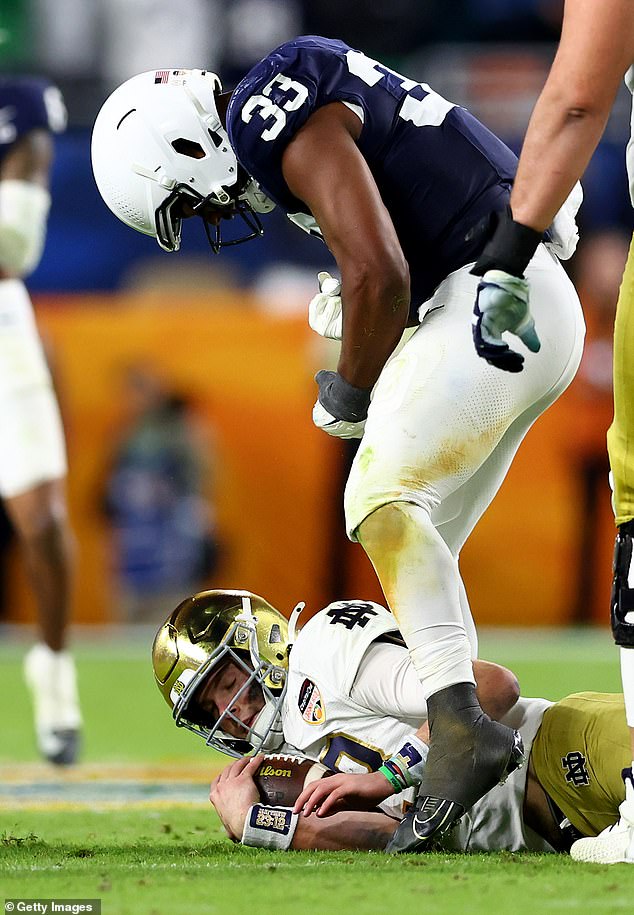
{"x": 502, "y": 305}
{"x": 341, "y": 409}
{"x": 502, "y": 298}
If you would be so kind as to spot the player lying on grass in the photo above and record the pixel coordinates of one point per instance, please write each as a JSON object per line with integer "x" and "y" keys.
{"x": 343, "y": 691}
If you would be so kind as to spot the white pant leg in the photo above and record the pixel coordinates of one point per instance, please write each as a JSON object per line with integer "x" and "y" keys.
{"x": 442, "y": 431}
{"x": 32, "y": 449}
{"x": 22, "y": 362}
{"x": 439, "y": 412}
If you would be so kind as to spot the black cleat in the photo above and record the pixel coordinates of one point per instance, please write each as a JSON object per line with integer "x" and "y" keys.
{"x": 62, "y": 746}
{"x": 468, "y": 755}
{"x": 425, "y": 823}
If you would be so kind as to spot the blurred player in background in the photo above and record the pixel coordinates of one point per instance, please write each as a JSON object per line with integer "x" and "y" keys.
{"x": 396, "y": 180}
{"x": 32, "y": 450}
{"x": 342, "y": 690}
{"x": 595, "y": 51}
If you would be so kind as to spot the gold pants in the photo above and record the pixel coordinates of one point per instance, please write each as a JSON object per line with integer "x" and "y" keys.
{"x": 621, "y": 432}
{"x": 581, "y": 746}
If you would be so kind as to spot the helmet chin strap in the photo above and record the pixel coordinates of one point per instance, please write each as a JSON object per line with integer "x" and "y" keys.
{"x": 292, "y": 623}
{"x": 246, "y": 617}
{"x": 268, "y": 721}
{"x": 256, "y": 198}
{"x": 247, "y": 612}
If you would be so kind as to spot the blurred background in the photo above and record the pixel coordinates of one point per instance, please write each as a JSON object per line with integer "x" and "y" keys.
{"x": 186, "y": 382}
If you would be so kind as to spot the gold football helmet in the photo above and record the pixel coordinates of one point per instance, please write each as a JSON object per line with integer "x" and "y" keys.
{"x": 202, "y": 634}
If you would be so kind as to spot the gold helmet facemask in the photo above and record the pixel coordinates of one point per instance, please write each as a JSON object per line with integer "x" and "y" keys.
{"x": 204, "y": 633}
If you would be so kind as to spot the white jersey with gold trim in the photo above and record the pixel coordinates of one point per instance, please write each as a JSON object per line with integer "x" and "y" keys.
{"x": 342, "y": 704}
{"x": 320, "y": 716}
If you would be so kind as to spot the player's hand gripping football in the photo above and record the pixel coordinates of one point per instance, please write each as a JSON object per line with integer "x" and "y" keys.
{"x": 341, "y": 409}
{"x": 345, "y": 791}
{"x": 233, "y": 792}
{"x": 501, "y": 306}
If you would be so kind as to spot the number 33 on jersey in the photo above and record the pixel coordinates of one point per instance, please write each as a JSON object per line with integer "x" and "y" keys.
{"x": 437, "y": 168}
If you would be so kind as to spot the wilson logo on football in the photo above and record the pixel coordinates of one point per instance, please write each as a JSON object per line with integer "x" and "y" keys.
{"x": 279, "y": 773}
{"x": 310, "y": 703}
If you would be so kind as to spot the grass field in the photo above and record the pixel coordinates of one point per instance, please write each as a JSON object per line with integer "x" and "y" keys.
{"x": 132, "y": 826}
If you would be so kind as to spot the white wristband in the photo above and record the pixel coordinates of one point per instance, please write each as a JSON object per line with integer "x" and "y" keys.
{"x": 269, "y": 827}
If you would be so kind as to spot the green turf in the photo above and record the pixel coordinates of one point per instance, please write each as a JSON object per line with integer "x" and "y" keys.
{"x": 176, "y": 860}
{"x": 558, "y": 662}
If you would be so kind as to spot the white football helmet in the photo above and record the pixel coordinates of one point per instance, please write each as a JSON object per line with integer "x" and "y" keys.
{"x": 158, "y": 139}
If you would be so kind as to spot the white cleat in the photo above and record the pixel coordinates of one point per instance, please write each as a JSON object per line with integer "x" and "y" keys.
{"x": 51, "y": 678}
{"x": 615, "y": 845}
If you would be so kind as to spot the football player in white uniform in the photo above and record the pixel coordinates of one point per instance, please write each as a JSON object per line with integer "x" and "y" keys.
{"x": 399, "y": 183}
{"x": 32, "y": 449}
{"x": 595, "y": 51}
{"x": 342, "y": 691}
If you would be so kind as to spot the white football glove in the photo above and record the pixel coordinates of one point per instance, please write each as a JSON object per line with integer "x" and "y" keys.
{"x": 341, "y": 408}
{"x": 325, "y": 314}
{"x": 339, "y": 428}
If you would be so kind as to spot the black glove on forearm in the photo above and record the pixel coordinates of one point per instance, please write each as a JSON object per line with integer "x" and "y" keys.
{"x": 510, "y": 248}
{"x": 342, "y": 400}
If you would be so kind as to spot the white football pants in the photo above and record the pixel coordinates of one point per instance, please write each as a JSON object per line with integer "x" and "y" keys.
{"x": 32, "y": 449}
{"x": 442, "y": 430}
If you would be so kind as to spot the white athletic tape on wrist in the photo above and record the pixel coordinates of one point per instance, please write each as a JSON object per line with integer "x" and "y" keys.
{"x": 24, "y": 209}
{"x": 269, "y": 827}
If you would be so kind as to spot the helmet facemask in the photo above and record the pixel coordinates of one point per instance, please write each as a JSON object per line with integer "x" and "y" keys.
{"x": 265, "y": 732}
{"x": 169, "y": 222}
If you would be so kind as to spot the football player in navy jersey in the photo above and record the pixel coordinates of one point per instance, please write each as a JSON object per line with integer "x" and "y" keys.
{"x": 400, "y": 184}
{"x": 32, "y": 449}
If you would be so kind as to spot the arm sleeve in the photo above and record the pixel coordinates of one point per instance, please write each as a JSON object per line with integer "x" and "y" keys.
{"x": 387, "y": 683}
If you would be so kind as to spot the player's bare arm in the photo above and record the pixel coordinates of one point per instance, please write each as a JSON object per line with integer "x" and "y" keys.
{"x": 596, "y": 49}
{"x": 352, "y": 830}
{"x": 233, "y": 792}
{"x": 323, "y": 167}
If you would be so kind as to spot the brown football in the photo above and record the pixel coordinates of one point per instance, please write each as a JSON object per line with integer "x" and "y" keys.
{"x": 280, "y": 779}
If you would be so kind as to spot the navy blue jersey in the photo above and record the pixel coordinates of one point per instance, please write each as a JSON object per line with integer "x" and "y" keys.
{"x": 28, "y": 103}
{"x": 438, "y": 169}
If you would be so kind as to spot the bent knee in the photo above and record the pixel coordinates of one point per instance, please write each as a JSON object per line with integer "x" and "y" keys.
{"x": 396, "y": 524}
{"x": 497, "y": 688}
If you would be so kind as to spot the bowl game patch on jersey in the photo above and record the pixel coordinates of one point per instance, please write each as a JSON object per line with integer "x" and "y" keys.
{"x": 310, "y": 703}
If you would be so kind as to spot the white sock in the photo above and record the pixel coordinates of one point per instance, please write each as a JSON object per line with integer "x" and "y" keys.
{"x": 627, "y": 676}
{"x": 52, "y": 678}
{"x": 443, "y": 658}
{"x": 426, "y": 595}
